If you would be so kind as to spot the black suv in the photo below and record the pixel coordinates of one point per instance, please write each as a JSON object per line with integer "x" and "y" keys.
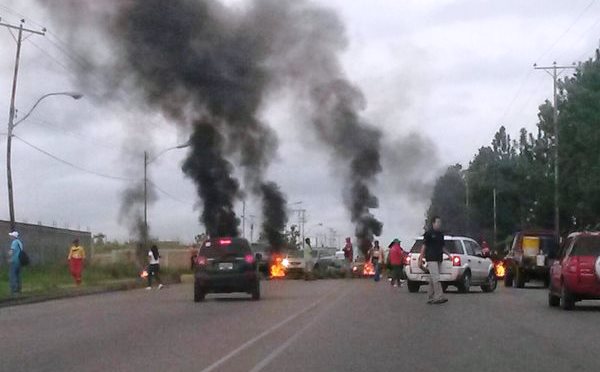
{"x": 226, "y": 265}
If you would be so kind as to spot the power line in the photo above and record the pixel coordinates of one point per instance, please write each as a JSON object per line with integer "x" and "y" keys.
{"x": 71, "y": 133}
{"x": 167, "y": 194}
{"x": 566, "y": 30}
{"x": 66, "y": 162}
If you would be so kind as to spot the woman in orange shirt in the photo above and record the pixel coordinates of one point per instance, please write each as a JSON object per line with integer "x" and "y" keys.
{"x": 76, "y": 258}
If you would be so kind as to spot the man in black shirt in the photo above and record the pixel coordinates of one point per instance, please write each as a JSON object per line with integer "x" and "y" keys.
{"x": 433, "y": 250}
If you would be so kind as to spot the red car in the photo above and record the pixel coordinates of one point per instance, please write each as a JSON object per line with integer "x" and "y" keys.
{"x": 575, "y": 275}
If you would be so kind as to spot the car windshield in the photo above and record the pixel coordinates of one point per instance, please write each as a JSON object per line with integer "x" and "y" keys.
{"x": 296, "y": 254}
{"x": 587, "y": 246}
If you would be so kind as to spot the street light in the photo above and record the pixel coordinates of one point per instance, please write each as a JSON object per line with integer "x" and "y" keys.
{"x": 148, "y": 161}
{"x": 11, "y": 126}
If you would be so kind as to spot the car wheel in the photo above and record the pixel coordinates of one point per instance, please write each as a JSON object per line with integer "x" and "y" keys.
{"x": 199, "y": 294}
{"x": 464, "y": 284}
{"x": 413, "y": 287}
{"x": 492, "y": 283}
{"x": 508, "y": 279}
{"x": 553, "y": 301}
{"x": 444, "y": 287}
{"x": 567, "y": 301}
{"x": 256, "y": 291}
{"x": 520, "y": 278}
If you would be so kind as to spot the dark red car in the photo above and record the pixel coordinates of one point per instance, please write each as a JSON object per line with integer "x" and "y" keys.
{"x": 575, "y": 275}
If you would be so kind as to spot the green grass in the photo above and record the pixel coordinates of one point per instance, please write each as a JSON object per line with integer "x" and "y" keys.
{"x": 48, "y": 279}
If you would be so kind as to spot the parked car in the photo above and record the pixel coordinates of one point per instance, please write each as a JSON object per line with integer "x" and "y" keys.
{"x": 575, "y": 275}
{"x": 466, "y": 267}
{"x": 226, "y": 265}
{"x": 328, "y": 265}
{"x": 531, "y": 255}
{"x": 294, "y": 264}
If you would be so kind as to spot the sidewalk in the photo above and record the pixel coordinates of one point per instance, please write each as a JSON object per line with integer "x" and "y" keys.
{"x": 68, "y": 291}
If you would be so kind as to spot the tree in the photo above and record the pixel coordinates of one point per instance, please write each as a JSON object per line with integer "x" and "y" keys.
{"x": 448, "y": 201}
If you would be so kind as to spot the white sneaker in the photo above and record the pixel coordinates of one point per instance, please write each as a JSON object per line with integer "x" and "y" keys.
{"x": 148, "y": 288}
{"x": 160, "y": 286}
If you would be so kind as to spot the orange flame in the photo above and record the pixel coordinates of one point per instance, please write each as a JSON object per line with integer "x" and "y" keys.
{"x": 500, "y": 269}
{"x": 144, "y": 274}
{"x": 369, "y": 269}
{"x": 277, "y": 270}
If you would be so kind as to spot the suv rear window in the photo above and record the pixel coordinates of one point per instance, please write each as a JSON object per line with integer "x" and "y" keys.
{"x": 220, "y": 248}
{"x": 453, "y": 246}
{"x": 587, "y": 246}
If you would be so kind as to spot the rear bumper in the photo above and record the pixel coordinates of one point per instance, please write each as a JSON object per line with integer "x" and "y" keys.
{"x": 453, "y": 276}
{"x": 226, "y": 282}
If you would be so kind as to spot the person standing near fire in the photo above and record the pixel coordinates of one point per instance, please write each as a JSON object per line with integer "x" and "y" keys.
{"x": 154, "y": 267}
{"x": 348, "y": 250}
{"x": 396, "y": 258}
{"x": 376, "y": 257}
{"x": 76, "y": 259}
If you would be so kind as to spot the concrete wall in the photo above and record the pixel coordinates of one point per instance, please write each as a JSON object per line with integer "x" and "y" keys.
{"x": 44, "y": 244}
{"x": 169, "y": 258}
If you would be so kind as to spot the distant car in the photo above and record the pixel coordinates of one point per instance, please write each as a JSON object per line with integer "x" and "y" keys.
{"x": 294, "y": 263}
{"x": 326, "y": 265}
{"x": 467, "y": 267}
{"x": 531, "y": 255}
{"x": 226, "y": 265}
{"x": 575, "y": 275}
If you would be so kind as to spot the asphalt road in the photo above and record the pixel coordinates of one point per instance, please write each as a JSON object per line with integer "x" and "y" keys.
{"x": 327, "y": 325}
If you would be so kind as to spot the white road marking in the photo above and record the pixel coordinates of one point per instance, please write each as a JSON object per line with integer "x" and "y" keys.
{"x": 269, "y": 358}
{"x": 253, "y": 340}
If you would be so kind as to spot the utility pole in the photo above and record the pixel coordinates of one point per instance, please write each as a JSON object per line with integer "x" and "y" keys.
{"x": 11, "y": 114}
{"x": 244, "y": 218}
{"x": 555, "y": 73}
{"x": 145, "y": 198}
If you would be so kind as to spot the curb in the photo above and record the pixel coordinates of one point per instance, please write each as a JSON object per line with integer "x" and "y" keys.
{"x": 125, "y": 285}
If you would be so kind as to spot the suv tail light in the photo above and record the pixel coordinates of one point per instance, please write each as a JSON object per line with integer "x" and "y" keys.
{"x": 407, "y": 260}
{"x": 224, "y": 241}
{"x": 573, "y": 265}
{"x": 456, "y": 261}
{"x": 201, "y": 261}
{"x": 249, "y": 259}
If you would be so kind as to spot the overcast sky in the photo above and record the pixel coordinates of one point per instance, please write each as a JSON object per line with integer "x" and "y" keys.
{"x": 453, "y": 71}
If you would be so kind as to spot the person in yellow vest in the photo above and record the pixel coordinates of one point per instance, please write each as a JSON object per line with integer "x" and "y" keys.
{"x": 76, "y": 258}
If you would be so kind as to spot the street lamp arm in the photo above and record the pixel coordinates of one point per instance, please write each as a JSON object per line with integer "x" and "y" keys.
{"x": 70, "y": 94}
{"x": 182, "y": 146}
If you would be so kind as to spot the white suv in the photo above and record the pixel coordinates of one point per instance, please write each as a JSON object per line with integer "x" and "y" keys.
{"x": 466, "y": 267}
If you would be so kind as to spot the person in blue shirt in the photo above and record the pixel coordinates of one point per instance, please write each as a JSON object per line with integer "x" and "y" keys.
{"x": 14, "y": 274}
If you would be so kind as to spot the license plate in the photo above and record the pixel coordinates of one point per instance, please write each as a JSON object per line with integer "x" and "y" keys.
{"x": 226, "y": 266}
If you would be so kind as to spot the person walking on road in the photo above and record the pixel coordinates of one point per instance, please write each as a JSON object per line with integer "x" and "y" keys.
{"x": 76, "y": 259}
{"x": 154, "y": 267}
{"x": 14, "y": 273}
{"x": 396, "y": 259}
{"x": 433, "y": 250}
{"x": 376, "y": 255}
